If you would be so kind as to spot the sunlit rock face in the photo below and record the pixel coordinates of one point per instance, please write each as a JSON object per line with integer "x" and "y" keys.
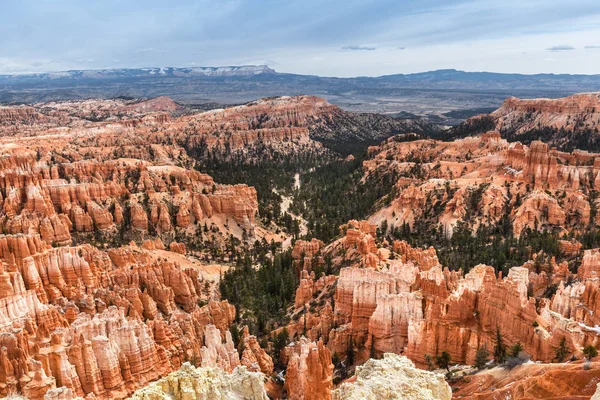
{"x": 409, "y": 304}
{"x": 205, "y": 384}
{"x": 102, "y": 323}
{"x": 531, "y": 381}
{"x": 309, "y": 373}
{"x": 523, "y": 115}
{"x": 478, "y": 181}
{"x": 393, "y": 377}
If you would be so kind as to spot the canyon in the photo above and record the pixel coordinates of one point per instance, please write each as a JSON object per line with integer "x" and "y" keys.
{"x": 478, "y": 181}
{"x": 567, "y": 123}
{"x": 116, "y": 245}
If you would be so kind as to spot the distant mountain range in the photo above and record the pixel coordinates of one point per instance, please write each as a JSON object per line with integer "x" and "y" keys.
{"x": 432, "y": 92}
{"x": 120, "y": 73}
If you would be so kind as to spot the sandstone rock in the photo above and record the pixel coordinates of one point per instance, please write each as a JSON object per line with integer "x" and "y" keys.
{"x": 590, "y": 265}
{"x": 254, "y": 357}
{"x": 177, "y": 247}
{"x": 393, "y": 377}
{"x": 205, "y": 383}
{"x": 532, "y": 381}
{"x": 309, "y": 373}
{"x": 538, "y": 187}
{"x": 139, "y": 218}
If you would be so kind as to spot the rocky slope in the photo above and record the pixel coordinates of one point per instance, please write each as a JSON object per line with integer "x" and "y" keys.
{"x": 62, "y": 197}
{"x": 309, "y": 372}
{"x": 392, "y": 298}
{"x": 531, "y": 381}
{"x": 107, "y": 322}
{"x": 486, "y": 181}
{"x": 568, "y": 123}
{"x": 93, "y": 302}
{"x": 113, "y": 243}
{"x": 259, "y": 128}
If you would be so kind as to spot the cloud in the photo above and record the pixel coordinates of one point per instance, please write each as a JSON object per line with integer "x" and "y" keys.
{"x": 334, "y": 41}
{"x": 148, "y": 50}
{"x": 592, "y": 47}
{"x": 358, "y": 48}
{"x": 560, "y": 48}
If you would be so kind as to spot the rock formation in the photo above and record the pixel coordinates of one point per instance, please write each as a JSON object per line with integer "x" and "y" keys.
{"x": 480, "y": 180}
{"x": 309, "y": 373}
{"x": 531, "y": 381}
{"x": 409, "y": 304}
{"x": 205, "y": 384}
{"x": 96, "y": 322}
{"x": 393, "y": 377}
{"x": 566, "y": 123}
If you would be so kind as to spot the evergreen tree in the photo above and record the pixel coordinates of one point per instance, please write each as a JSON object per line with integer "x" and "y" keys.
{"x": 590, "y": 352}
{"x": 372, "y": 353}
{"x": 516, "y": 349}
{"x": 561, "y": 352}
{"x": 443, "y": 360}
{"x": 429, "y": 361}
{"x": 235, "y": 334}
{"x": 481, "y": 357}
{"x": 350, "y": 354}
{"x": 499, "y": 347}
{"x": 279, "y": 342}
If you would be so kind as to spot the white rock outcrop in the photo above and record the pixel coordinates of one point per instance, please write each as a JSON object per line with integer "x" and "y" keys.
{"x": 596, "y": 395}
{"x": 205, "y": 384}
{"x": 393, "y": 377}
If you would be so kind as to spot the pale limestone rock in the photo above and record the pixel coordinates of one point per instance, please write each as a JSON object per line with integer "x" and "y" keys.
{"x": 205, "y": 383}
{"x": 393, "y": 377}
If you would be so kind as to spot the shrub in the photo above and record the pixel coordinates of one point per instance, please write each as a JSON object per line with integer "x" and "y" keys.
{"x": 512, "y": 362}
{"x": 590, "y": 352}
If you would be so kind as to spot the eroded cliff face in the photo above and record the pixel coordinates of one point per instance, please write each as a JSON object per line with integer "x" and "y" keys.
{"x": 257, "y": 130}
{"x": 565, "y": 123}
{"x": 103, "y": 322}
{"x": 309, "y": 373}
{"x": 60, "y": 200}
{"x": 206, "y": 384}
{"x": 483, "y": 180}
{"x": 405, "y": 302}
{"x": 393, "y": 377}
{"x": 570, "y": 122}
{"x": 109, "y": 316}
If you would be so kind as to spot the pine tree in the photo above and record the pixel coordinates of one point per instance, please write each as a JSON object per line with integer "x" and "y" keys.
{"x": 516, "y": 349}
{"x": 590, "y": 352}
{"x": 279, "y": 342}
{"x": 372, "y": 350}
{"x": 500, "y": 347}
{"x": 443, "y": 360}
{"x": 429, "y": 361}
{"x": 561, "y": 351}
{"x": 481, "y": 357}
{"x": 350, "y": 355}
{"x": 235, "y": 334}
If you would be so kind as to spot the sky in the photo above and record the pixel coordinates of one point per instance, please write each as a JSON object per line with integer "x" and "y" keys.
{"x": 329, "y": 38}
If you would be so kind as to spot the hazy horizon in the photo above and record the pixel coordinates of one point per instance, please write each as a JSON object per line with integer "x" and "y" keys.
{"x": 291, "y": 72}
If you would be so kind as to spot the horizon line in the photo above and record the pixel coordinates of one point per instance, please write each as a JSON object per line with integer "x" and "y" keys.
{"x": 24, "y": 74}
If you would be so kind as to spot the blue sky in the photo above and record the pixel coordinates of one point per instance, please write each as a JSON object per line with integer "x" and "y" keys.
{"x": 333, "y": 38}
